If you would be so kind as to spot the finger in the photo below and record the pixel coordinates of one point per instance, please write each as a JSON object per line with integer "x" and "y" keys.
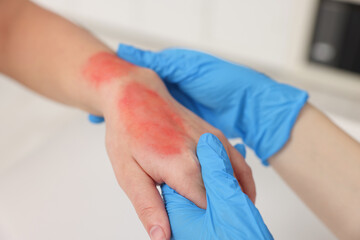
{"x": 216, "y": 170}
{"x": 225, "y": 197}
{"x": 95, "y": 119}
{"x": 185, "y": 178}
{"x": 165, "y": 65}
{"x": 242, "y": 171}
{"x": 143, "y": 194}
{"x": 142, "y": 58}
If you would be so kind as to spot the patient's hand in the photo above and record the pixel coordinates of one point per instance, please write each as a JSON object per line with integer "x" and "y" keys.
{"x": 151, "y": 139}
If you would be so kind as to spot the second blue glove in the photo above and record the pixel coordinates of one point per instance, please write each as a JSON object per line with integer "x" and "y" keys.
{"x": 229, "y": 215}
{"x": 239, "y": 101}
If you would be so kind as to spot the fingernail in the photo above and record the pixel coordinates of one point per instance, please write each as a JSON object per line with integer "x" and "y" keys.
{"x": 156, "y": 233}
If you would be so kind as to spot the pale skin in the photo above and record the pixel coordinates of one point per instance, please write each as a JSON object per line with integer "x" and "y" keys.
{"x": 59, "y": 60}
{"x": 321, "y": 163}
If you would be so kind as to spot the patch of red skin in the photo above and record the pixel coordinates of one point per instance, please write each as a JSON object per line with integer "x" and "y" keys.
{"x": 151, "y": 121}
{"x": 103, "y": 67}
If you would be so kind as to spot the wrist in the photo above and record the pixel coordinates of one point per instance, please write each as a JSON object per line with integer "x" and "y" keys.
{"x": 108, "y": 96}
{"x": 104, "y": 74}
{"x": 101, "y": 101}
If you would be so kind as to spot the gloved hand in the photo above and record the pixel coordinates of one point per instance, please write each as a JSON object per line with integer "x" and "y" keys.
{"x": 235, "y": 99}
{"x": 229, "y": 215}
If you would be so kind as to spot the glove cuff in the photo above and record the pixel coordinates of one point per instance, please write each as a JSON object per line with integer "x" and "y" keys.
{"x": 272, "y": 119}
{"x": 283, "y": 135}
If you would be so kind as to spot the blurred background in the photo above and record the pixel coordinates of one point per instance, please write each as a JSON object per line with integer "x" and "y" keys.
{"x": 55, "y": 179}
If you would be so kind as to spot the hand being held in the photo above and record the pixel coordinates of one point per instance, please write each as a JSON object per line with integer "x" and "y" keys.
{"x": 239, "y": 101}
{"x": 151, "y": 139}
{"x": 229, "y": 215}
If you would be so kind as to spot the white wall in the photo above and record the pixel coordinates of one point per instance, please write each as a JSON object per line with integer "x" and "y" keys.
{"x": 272, "y": 35}
{"x": 261, "y": 31}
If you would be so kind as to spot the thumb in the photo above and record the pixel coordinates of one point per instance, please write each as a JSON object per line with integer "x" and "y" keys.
{"x": 225, "y": 197}
{"x": 146, "y": 199}
{"x": 216, "y": 169}
{"x": 142, "y": 58}
{"x": 163, "y": 63}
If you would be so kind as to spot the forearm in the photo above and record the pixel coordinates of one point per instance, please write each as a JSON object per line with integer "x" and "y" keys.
{"x": 48, "y": 54}
{"x": 321, "y": 164}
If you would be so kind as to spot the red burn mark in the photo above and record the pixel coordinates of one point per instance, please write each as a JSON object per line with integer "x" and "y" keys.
{"x": 104, "y": 66}
{"x": 151, "y": 121}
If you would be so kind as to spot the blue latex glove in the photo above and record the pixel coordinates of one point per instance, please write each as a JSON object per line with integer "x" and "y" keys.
{"x": 237, "y": 100}
{"x": 229, "y": 215}
{"x": 95, "y": 119}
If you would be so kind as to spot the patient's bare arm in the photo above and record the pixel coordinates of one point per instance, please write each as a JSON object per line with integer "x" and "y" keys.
{"x": 150, "y": 138}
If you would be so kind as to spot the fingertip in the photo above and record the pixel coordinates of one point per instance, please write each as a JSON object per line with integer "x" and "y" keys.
{"x": 127, "y": 53}
{"x": 95, "y": 119}
{"x": 241, "y": 149}
{"x": 206, "y": 137}
{"x": 155, "y": 219}
{"x": 124, "y": 48}
{"x": 243, "y": 172}
{"x": 146, "y": 199}
{"x": 158, "y": 233}
{"x": 208, "y": 142}
{"x": 212, "y": 154}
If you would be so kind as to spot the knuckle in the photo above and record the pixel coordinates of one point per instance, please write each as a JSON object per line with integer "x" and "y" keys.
{"x": 219, "y": 135}
{"x": 144, "y": 211}
{"x": 185, "y": 171}
{"x": 149, "y": 72}
{"x": 247, "y": 171}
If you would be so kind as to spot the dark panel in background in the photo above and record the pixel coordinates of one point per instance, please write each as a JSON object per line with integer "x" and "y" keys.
{"x": 336, "y": 36}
